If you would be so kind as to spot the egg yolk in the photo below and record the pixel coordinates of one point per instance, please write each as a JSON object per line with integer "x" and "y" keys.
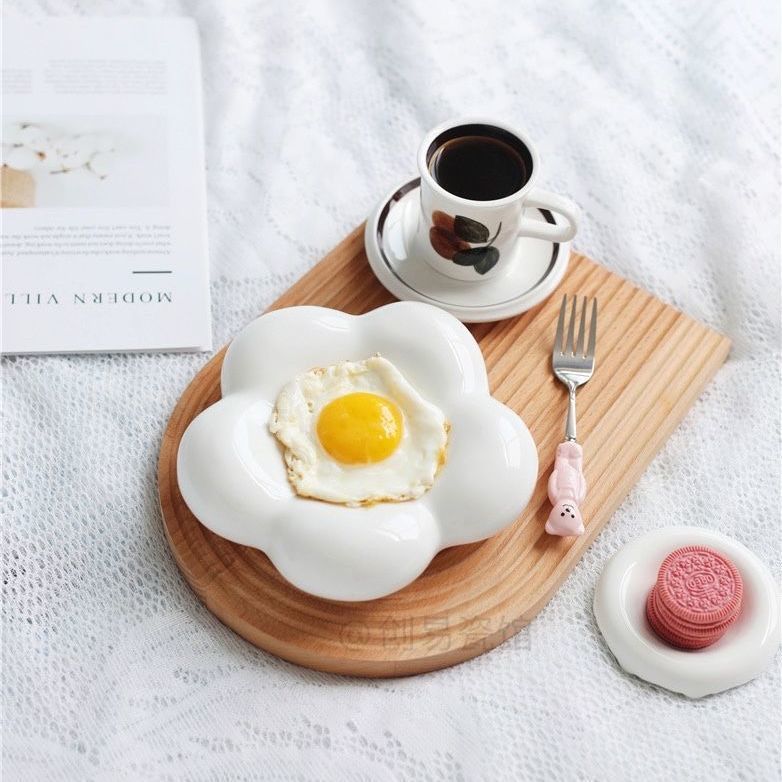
{"x": 360, "y": 428}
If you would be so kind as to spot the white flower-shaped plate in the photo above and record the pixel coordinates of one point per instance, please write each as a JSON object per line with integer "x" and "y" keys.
{"x": 232, "y": 474}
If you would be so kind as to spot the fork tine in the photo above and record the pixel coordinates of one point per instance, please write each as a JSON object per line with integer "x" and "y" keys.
{"x": 560, "y": 326}
{"x": 571, "y": 328}
{"x": 592, "y": 331}
{"x": 582, "y": 329}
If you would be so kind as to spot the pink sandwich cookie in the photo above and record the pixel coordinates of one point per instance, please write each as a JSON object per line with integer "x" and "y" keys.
{"x": 696, "y": 598}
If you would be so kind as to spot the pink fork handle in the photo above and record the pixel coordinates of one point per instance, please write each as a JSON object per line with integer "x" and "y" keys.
{"x": 566, "y": 491}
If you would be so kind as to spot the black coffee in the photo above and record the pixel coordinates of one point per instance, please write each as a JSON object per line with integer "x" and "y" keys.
{"x": 480, "y": 168}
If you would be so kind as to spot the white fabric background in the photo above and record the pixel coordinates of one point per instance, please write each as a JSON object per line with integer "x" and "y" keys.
{"x": 662, "y": 119}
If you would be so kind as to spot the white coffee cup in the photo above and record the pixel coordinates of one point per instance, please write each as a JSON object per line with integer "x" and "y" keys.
{"x": 473, "y": 239}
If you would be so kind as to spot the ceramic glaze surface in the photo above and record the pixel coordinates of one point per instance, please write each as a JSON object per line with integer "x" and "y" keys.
{"x": 232, "y": 474}
{"x": 474, "y": 240}
{"x": 533, "y": 270}
{"x": 745, "y": 650}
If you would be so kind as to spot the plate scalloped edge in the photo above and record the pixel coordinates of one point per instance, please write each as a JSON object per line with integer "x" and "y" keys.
{"x": 232, "y": 475}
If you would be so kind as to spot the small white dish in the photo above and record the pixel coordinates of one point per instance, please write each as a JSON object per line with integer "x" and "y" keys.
{"x": 746, "y": 649}
{"x": 232, "y": 474}
{"x": 532, "y": 276}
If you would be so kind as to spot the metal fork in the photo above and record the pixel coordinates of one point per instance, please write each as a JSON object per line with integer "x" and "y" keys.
{"x": 573, "y": 366}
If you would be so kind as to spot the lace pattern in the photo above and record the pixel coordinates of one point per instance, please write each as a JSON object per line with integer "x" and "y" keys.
{"x": 661, "y": 119}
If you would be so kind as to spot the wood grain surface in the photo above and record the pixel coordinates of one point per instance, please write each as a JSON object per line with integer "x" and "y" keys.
{"x": 652, "y": 363}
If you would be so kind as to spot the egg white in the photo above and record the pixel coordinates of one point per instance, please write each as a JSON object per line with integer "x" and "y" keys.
{"x": 406, "y": 474}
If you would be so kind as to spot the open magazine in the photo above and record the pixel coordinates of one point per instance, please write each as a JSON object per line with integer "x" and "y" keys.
{"x": 102, "y": 185}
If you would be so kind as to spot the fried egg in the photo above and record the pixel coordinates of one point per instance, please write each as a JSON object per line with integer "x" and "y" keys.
{"x": 357, "y": 432}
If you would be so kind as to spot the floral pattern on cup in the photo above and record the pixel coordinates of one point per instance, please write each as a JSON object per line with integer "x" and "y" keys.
{"x": 464, "y": 241}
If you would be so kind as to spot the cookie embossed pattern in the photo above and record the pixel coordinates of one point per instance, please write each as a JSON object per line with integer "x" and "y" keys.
{"x": 696, "y": 598}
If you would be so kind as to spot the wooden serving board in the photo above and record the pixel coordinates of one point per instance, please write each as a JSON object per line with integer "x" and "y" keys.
{"x": 652, "y": 363}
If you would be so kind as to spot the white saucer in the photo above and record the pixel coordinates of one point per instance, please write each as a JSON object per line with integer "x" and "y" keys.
{"x": 532, "y": 275}
{"x": 745, "y": 650}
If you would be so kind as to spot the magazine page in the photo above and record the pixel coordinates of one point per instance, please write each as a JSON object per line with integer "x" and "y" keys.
{"x": 103, "y": 186}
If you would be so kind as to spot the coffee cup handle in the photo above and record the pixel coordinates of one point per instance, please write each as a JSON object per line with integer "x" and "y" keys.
{"x": 536, "y": 229}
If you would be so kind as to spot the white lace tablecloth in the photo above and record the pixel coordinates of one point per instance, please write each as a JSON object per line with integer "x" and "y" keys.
{"x": 661, "y": 119}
